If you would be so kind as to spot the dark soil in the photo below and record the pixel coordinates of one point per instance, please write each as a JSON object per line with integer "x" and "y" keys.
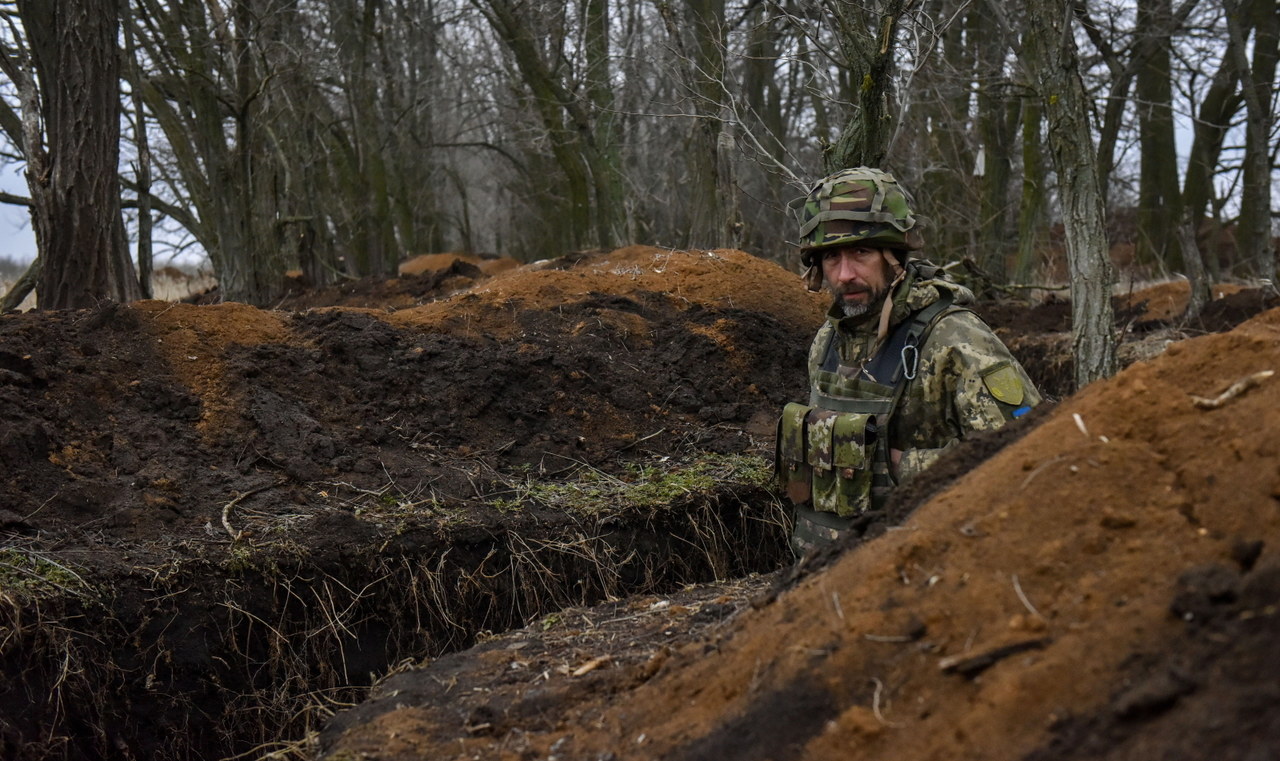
{"x": 221, "y": 523}
{"x": 257, "y": 509}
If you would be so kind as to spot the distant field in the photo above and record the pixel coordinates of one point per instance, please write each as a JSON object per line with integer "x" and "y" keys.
{"x": 169, "y": 284}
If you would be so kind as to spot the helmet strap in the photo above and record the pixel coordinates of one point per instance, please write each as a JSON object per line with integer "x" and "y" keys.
{"x": 891, "y": 257}
{"x": 887, "y": 309}
{"x": 812, "y": 278}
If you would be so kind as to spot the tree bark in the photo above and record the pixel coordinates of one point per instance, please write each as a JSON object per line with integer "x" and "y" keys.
{"x": 1221, "y": 101}
{"x": 867, "y": 47}
{"x": 709, "y": 187}
{"x": 1257, "y": 85}
{"x": 143, "y": 168}
{"x": 76, "y": 195}
{"x": 1031, "y": 215}
{"x": 947, "y": 184}
{"x": 1159, "y": 197}
{"x": 998, "y": 121}
{"x": 1051, "y": 57}
{"x": 1197, "y": 279}
{"x": 601, "y": 133}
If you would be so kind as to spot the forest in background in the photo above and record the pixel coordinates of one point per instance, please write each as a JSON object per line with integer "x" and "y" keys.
{"x": 339, "y": 136}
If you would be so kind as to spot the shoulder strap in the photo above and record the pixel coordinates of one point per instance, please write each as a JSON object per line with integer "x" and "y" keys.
{"x": 898, "y": 357}
{"x": 915, "y": 332}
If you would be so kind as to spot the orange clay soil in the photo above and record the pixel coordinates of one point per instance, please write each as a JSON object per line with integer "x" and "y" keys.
{"x": 720, "y": 279}
{"x": 433, "y": 262}
{"x": 1045, "y": 604}
{"x": 1167, "y": 301}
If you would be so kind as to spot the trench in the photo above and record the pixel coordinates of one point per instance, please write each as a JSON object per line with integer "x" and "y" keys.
{"x": 210, "y": 658}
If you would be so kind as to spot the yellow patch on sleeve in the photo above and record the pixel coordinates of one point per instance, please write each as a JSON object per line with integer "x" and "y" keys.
{"x": 1004, "y": 384}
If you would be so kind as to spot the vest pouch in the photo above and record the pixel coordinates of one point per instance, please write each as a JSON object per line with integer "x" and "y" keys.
{"x": 839, "y": 451}
{"x": 790, "y": 460}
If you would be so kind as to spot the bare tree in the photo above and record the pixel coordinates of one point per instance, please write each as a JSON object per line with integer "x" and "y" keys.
{"x": 1033, "y": 200}
{"x": 1258, "y": 87}
{"x": 999, "y": 118}
{"x": 866, "y": 41}
{"x": 71, "y": 90}
{"x": 1050, "y": 55}
{"x": 1220, "y": 100}
{"x": 340, "y": 135}
{"x": 580, "y": 131}
{"x": 1159, "y": 195}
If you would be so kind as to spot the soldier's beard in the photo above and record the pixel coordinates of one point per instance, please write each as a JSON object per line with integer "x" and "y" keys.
{"x": 857, "y": 308}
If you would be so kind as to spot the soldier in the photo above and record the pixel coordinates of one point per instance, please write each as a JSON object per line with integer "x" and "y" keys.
{"x": 899, "y": 371}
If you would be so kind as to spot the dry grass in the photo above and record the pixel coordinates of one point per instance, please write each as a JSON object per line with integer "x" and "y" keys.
{"x": 168, "y": 284}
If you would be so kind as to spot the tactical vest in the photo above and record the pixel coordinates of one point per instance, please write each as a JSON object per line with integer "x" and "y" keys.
{"x": 833, "y": 453}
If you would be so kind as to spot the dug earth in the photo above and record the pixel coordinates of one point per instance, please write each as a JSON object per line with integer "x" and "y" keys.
{"x": 531, "y": 507}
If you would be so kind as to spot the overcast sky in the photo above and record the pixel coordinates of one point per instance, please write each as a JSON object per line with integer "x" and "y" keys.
{"x": 17, "y": 242}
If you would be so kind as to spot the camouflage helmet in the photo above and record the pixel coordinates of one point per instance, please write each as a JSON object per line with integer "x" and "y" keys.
{"x": 857, "y": 206}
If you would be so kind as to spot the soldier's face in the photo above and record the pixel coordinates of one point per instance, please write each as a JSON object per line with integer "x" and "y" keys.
{"x": 857, "y": 276}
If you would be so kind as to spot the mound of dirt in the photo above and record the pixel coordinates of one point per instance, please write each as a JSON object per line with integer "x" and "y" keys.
{"x": 542, "y": 367}
{"x": 1107, "y": 587}
{"x": 1147, "y": 321}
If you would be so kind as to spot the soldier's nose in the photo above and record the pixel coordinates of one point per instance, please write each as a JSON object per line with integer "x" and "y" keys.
{"x": 846, "y": 273}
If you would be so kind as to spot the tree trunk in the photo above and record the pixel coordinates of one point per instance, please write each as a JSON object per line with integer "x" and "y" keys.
{"x": 1031, "y": 217}
{"x": 601, "y": 133}
{"x": 143, "y": 168}
{"x": 1051, "y": 57}
{"x": 560, "y": 113}
{"x": 709, "y": 212}
{"x": 21, "y": 287}
{"x": 946, "y": 187}
{"x": 1197, "y": 279}
{"x": 1159, "y": 198}
{"x": 211, "y": 97}
{"x": 76, "y": 215}
{"x": 1116, "y": 102}
{"x": 1220, "y": 103}
{"x": 998, "y": 118}
{"x": 1257, "y": 84}
{"x": 869, "y": 60}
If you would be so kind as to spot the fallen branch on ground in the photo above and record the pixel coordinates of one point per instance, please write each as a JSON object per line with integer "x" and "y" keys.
{"x": 1236, "y": 389}
{"x": 227, "y": 508}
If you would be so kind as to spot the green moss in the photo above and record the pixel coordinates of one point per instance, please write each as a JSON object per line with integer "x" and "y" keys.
{"x": 504, "y": 505}
{"x": 239, "y": 559}
{"x": 651, "y": 485}
{"x": 29, "y": 576}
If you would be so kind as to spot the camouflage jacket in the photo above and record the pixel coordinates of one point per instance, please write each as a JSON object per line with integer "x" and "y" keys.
{"x": 966, "y": 379}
